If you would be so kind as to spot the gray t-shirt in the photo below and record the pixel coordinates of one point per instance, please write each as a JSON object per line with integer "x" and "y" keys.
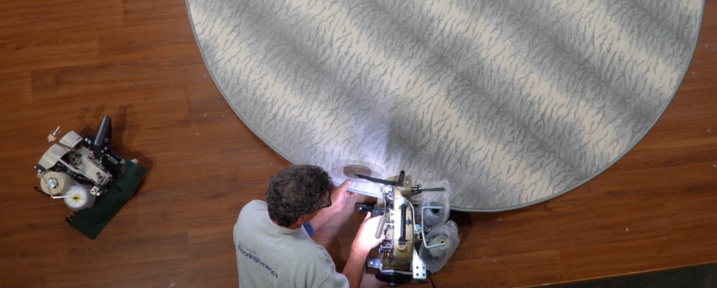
{"x": 269, "y": 255}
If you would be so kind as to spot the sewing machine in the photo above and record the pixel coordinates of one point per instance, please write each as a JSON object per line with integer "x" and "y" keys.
{"x": 407, "y": 252}
{"x": 79, "y": 169}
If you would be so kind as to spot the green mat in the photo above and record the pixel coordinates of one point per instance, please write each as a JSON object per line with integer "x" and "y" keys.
{"x": 92, "y": 220}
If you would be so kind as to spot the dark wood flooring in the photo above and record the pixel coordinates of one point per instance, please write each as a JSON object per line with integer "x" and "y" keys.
{"x": 70, "y": 62}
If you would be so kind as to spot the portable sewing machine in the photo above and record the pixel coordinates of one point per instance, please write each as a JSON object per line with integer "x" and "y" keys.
{"x": 78, "y": 169}
{"x": 93, "y": 180}
{"x": 418, "y": 241}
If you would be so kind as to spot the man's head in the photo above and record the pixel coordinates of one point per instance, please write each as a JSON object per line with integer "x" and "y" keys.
{"x": 297, "y": 190}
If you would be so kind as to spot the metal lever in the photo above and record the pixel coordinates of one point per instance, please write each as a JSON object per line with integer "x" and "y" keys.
{"x": 423, "y": 235}
{"x": 52, "y": 137}
{"x": 103, "y": 139}
{"x": 380, "y": 228}
{"x": 402, "y": 239}
{"x": 365, "y": 208}
{"x": 435, "y": 189}
{"x": 418, "y": 190}
{"x": 379, "y": 181}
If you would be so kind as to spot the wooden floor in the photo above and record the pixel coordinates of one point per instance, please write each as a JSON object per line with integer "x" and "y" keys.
{"x": 70, "y": 62}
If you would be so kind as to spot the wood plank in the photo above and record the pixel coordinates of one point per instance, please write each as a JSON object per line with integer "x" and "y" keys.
{"x": 40, "y": 51}
{"x": 614, "y": 259}
{"x": 17, "y": 93}
{"x": 148, "y": 274}
{"x": 93, "y": 80}
{"x": 152, "y": 12}
{"x": 21, "y": 18}
{"x": 170, "y": 43}
{"x": 158, "y": 106}
{"x": 15, "y": 128}
{"x": 510, "y": 271}
{"x": 138, "y": 62}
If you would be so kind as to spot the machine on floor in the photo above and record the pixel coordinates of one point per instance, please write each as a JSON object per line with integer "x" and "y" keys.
{"x": 418, "y": 240}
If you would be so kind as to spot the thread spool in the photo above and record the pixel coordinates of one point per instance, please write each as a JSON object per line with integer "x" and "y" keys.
{"x": 440, "y": 250}
{"x": 78, "y": 197}
{"x": 434, "y": 258}
{"x": 55, "y": 183}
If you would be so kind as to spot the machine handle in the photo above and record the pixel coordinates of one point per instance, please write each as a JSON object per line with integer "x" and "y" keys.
{"x": 379, "y": 181}
{"x": 423, "y": 234}
{"x": 103, "y": 139}
{"x": 418, "y": 190}
{"x": 365, "y": 208}
{"x": 402, "y": 239}
{"x": 435, "y": 189}
{"x": 379, "y": 230}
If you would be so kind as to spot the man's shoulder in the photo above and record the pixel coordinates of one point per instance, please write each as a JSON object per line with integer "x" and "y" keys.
{"x": 251, "y": 217}
{"x": 255, "y": 204}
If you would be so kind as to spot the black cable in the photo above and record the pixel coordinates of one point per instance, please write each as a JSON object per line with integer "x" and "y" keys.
{"x": 39, "y": 189}
{"x": 429, "y": 278}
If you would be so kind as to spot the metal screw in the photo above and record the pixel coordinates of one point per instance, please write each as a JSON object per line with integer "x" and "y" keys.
{"x": 52, "y": 182}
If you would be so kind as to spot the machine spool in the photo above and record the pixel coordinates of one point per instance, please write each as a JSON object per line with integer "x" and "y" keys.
{"x": 431, "y": 218}
{"x": 351, "y": 170}
{"x": 78, "y": 197}
{"x": 434, "y": 217}
{"x": 55, "y": 183}
{"x": 348, "y": 169}
{"x": 394, "y": 278}
{"x": 447, "y": 239}
{"x": 442, "y": 243}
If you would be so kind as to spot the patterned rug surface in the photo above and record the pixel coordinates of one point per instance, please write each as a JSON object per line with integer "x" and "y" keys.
{"x": 512, "y": 102}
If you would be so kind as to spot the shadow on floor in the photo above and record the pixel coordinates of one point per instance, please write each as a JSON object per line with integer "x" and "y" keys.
{"x": 703, "y": 276}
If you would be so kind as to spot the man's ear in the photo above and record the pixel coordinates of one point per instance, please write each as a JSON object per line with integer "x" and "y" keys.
{"x": 303, "y": 219}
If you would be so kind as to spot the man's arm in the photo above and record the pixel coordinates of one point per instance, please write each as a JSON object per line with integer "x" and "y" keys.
{"x": 323, "y": 216}
{"x": 354, "y": 266}
{"x": 363, "y": 243}
{"x": 338, "y": 199}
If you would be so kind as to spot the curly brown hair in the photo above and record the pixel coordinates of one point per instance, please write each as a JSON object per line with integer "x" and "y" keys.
{"x": 295, "y": 191}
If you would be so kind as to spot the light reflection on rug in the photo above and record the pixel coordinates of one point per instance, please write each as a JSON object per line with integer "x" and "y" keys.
{"x": 512, "y": 102}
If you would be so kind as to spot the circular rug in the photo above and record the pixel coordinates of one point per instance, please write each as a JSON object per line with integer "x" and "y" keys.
{"x": 511, "y": 102}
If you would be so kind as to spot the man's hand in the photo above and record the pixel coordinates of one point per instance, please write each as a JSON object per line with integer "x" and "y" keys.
{"x": 366, "y": 237}
{"x": 338, "y": 201}
{"x": 363, "y": 243}
{"x": 340, "y": 195}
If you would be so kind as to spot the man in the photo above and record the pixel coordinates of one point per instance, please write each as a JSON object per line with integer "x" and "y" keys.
{"x": 273, "y": 247}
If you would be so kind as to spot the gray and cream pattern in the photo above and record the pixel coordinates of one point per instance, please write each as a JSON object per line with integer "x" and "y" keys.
{"x": 512, "y": 102}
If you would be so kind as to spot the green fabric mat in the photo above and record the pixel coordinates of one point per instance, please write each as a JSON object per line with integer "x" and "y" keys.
{"x": 92, "y": 220}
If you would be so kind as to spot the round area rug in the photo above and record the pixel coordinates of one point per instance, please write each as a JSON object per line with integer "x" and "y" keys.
{"x": 511, "y": 102}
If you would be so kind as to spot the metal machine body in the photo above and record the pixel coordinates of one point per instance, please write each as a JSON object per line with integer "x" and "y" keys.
{"x": 398, "y": 246}
{"x": 77, "y": 164}
{"x": 75, "y": 159}
{"x": 399, "y": 262}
